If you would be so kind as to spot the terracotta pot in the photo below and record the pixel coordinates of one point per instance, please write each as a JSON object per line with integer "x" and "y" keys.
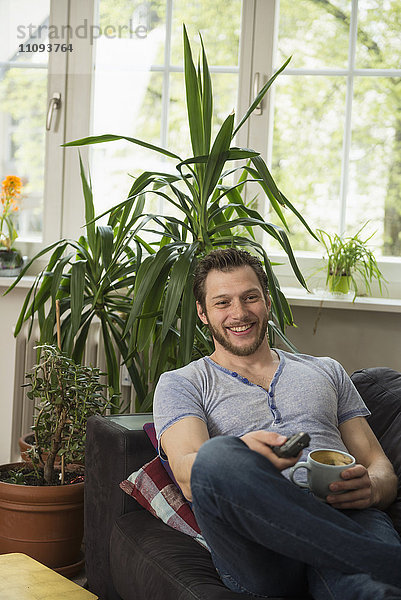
{"x": 44, "y": 522}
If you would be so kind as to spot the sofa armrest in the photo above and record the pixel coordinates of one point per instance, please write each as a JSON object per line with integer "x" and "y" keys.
{"x": 112, "y": 453}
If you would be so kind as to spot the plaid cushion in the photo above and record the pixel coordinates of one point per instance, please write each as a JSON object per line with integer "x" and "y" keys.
{"x": 149, "y": 429}
{"x": 153, "y": 488}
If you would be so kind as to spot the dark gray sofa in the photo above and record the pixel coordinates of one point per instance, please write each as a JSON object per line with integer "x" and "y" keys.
{"x": 131, "y": 555}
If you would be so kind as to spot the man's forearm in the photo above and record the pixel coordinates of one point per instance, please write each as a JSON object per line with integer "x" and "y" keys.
{"x": 384, "y": 483}
{"x": 182, "y": 472}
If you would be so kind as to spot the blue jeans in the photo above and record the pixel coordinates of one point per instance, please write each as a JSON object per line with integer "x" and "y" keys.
{"x": 270, "y": 538}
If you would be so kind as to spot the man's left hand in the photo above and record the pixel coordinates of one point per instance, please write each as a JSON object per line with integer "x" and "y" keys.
{"x": 357, "y": 489}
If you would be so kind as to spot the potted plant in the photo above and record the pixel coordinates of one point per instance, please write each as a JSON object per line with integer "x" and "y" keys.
{"x": 41, "y": 506}
{"x": 348, "y": 257}
{"x": 141, "y": 292}
{"x": 161, "y": 326}
{"x": 93, "y": 279}
{"x": 10, "y": 258}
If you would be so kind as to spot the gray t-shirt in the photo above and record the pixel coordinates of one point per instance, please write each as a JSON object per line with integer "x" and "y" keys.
{"x": 306, "y": 394}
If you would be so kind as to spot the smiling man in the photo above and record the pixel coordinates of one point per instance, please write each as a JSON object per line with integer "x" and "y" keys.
{"x": 217, "y": 419}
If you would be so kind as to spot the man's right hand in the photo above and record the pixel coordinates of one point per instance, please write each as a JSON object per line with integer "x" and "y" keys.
{"x": 261, "y": 441}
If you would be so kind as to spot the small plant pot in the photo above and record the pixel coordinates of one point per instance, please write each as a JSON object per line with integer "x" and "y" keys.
{"x": 339, "y": 284}
{"x": 11, "y": 262}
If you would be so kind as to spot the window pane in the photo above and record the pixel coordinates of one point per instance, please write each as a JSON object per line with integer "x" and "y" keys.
{"x": 308, "y": 137}
{"x": 23, "y": 100}
{"x": 375, "y": 163}
{"x": 314, "y": 33}
{"x": 218, "y": 24}
{"x": 379, "y": 40}
{"x": 139, "y": 93}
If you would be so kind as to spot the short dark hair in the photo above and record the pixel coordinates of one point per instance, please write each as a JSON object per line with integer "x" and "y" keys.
{"x": 226, "y": 259}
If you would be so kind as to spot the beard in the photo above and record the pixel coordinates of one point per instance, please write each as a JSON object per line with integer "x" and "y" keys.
{"x": 240, "y": 350}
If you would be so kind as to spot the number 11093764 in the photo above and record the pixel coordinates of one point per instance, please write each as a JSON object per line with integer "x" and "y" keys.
{"x": 45, "y": 48}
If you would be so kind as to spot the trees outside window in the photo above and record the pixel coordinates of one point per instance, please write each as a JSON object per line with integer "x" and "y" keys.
{"x": 337, "y": 124}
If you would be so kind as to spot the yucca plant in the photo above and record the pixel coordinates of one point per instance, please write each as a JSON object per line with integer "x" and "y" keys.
{"x": 162, "y": 324}
{"x": 92, "y": 278}
{"x": 348, "y": 257}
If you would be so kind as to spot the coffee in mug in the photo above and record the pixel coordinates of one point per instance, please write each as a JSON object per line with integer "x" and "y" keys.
{"x": 324, "y": 466}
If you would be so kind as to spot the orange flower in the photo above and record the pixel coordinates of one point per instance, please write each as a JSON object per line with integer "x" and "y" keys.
{"x": 9, "y": 196}
{"x": 11, "y": 187}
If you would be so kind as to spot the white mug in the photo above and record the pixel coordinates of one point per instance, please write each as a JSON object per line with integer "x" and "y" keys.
{"x": 324, "y": 466}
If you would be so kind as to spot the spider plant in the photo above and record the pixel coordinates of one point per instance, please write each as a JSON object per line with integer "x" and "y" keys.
{"x": 348, "y": 257}
{"x": 162, "y": 324}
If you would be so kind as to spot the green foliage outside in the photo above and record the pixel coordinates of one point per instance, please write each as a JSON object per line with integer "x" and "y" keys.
{"x": 309, "y": 119}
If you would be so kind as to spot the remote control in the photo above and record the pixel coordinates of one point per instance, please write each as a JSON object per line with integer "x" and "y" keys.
{"x": 293, "y": 446}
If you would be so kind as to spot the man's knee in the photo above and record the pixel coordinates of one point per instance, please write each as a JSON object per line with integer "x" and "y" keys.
{"x": 215, "y": 458}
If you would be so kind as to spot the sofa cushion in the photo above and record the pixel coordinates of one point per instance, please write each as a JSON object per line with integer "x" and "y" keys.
{"x": 149, "y": 560}
{"x": 149, "y": 429}
{"x": 380, "y": 388}
{"x": 153, "y": 488}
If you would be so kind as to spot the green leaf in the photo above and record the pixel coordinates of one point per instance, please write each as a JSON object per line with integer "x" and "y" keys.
{"x": 113, "y": 368}
{"x": 207, "y": 100}
{"x": 298, "y": 214}
{"x": 30, "y": 262}
{"x": 269, "y": 186}
{"x": 80, "y": 342}
{"x": 194, "y": 107}
{"x": 277, "y": 331}
{"x": 89, "y": 207}
{"x": 106, "y": 244}
{"x": 100, "y": 139}
{"x": 178, "y": 278}
{"x": 188, "y": 318}
{"x": 217, "y": 157}
{"x": 77, "y": 293}
{"x": 146, "y": 278}
{"x": 151, "y": 306}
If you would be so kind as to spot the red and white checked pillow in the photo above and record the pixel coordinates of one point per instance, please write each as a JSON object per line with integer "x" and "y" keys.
{"x": 153, "y": 488}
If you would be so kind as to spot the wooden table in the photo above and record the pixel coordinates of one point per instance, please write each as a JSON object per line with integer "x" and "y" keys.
{"x": 23, "y": 578}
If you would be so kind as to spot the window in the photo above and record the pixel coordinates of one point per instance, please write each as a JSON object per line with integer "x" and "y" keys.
{"x": 330, "y": 128}
{"x": 139, "y": 85}
{"x": 337, "y": 130}
{"x": 335, "y": 145}
{"x": 29, "y": 74}
{"x": 23, "y": 99}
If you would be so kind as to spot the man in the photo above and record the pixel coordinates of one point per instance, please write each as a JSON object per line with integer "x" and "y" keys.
{"x": 216, "y": 420}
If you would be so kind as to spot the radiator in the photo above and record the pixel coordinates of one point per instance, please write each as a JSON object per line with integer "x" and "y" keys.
{"x": 25, "y": 359}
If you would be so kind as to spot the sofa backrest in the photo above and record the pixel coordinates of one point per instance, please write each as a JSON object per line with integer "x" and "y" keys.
{"x": 380, "y": 388}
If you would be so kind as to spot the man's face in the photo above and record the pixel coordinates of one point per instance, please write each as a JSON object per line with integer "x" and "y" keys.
{"x": 236, "y": 311}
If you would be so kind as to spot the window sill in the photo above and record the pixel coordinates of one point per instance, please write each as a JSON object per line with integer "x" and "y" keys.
{"x": 25, "y": 282}
{"x": 323, "y": 299}
{"x": 295, "y": 296}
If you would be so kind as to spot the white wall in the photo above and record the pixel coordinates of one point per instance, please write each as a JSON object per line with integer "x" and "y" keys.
{"x": 357, "y": 338}
{"x": 10, "y": 307}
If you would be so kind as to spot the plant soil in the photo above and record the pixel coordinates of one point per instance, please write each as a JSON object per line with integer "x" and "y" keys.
{"x": 25, "y": 475}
